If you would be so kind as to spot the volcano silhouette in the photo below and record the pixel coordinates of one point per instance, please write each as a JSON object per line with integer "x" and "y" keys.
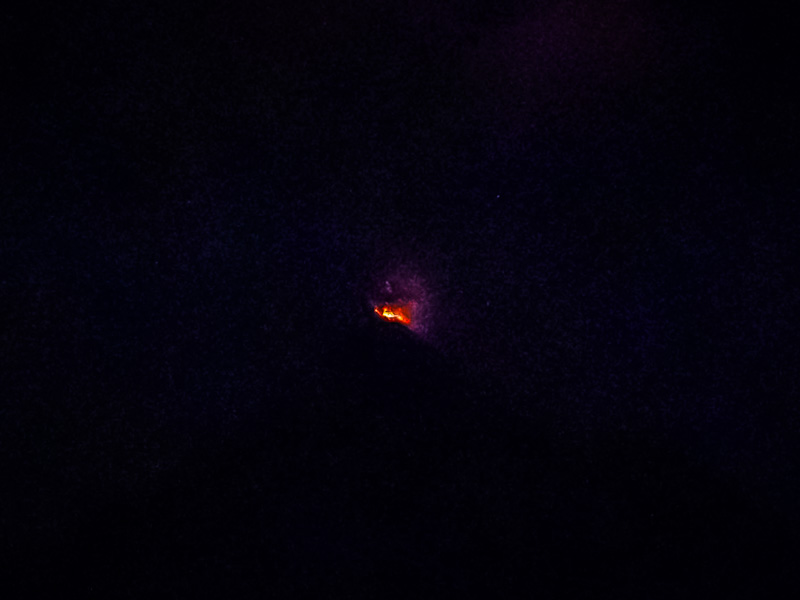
{"x": 391, "y": 473}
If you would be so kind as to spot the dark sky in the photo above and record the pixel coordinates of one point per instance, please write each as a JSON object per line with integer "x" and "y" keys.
{"x": 593, "y": 205}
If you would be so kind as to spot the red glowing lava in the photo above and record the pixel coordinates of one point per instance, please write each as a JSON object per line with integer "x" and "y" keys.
{"x": 395, "y": 313}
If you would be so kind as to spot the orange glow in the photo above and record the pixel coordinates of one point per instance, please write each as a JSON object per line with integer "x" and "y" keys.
{"x": 395, "y": 313}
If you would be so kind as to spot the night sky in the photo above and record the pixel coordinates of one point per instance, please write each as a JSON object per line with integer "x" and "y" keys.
{"x": 587, "y": 210}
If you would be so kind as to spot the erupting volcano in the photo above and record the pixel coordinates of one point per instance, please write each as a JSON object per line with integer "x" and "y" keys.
{"x": 402, "y": 296}
{"x": 398, "y": 313}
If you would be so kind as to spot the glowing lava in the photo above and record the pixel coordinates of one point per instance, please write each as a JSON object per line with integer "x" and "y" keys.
{"x": 395, "y": 313}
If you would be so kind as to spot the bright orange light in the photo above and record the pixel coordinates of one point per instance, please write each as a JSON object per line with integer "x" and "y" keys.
{"x": 394, "y": 312}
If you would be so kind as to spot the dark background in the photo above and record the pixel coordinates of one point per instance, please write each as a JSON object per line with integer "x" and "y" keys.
{"x": 200, "y": 200}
